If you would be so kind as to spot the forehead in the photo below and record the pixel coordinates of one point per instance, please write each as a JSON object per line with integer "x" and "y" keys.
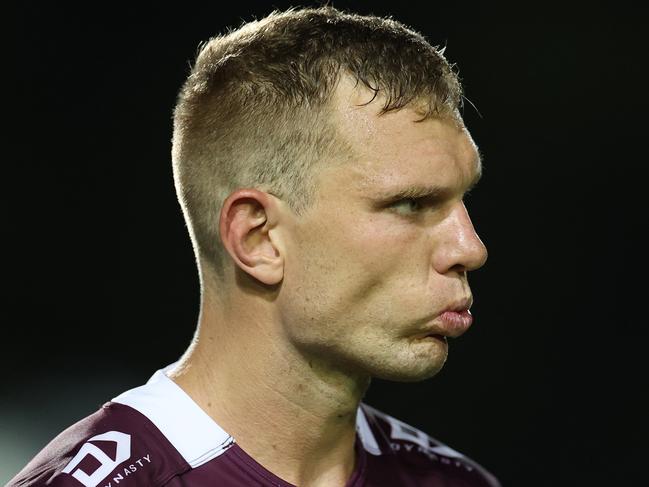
{"x": 392, "y": 149}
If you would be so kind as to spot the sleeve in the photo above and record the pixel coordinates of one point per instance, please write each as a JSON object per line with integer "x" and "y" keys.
{"x": 115, "y": 447}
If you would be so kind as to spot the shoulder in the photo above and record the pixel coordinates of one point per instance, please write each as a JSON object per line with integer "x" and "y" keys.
{"x": 153, "y": 435}
{"x": 414, "y": 457}
{"x": 116, "y": 445}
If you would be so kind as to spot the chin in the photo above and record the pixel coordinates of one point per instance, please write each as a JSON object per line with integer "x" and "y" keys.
{"x": 404, "y": 373}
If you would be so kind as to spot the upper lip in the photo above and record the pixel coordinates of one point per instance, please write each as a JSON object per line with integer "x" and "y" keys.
{"x": 460, "y": 305}
{"x": 457, "y": 306}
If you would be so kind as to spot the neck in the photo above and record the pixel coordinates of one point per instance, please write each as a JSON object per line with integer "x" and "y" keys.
{"x": 294, "y": 414}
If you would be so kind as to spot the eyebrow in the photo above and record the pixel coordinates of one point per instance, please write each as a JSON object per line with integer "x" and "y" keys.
{"x": 422, "y": 191}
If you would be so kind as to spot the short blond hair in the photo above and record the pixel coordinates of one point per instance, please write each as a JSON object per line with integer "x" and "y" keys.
{"x": 255, "y": 110}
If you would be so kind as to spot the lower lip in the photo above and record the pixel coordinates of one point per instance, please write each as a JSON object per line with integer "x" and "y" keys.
{"x": 458, "y": 321}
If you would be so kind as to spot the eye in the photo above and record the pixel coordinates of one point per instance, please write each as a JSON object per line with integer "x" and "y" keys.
{"x": 407, "y": 205}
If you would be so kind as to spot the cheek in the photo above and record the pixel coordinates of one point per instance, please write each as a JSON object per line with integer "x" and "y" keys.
{"x": 382, "y": 244}
{"x": 360, "y": 257}
{"x": 354, "y": 267}
{"x": 395, "y": 260}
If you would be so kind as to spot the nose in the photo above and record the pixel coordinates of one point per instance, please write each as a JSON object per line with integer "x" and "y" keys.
{"x": 459, "y": 247}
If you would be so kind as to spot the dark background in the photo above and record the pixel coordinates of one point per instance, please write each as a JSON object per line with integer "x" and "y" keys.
{"x": 547, "y": 387}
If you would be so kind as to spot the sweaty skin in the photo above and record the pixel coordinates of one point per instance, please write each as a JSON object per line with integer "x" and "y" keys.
{"x": 316, "y": 305}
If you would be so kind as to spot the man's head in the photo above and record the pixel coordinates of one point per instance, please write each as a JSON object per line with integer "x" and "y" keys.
{"x": 256, "y": 109}
{"x": 321, "y": 164}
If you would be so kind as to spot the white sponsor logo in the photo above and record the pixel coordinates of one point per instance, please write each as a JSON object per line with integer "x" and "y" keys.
{"x": 419, "y": 441}
{"x": 107, "y": 464}
{"x": 121, "y": 474}
{"x": 402, "y": 431}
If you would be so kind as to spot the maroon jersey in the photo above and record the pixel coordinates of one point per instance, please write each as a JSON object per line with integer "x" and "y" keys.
{"x": 156, "y": 435}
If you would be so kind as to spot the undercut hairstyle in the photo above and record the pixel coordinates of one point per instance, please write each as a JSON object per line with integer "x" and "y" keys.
{"x": 255, "y": 111}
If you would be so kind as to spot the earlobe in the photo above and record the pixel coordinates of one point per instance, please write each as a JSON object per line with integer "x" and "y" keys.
{"x": 248, "y": 218}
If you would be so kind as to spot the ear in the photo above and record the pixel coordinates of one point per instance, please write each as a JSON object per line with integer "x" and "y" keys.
{"x": 247, "y": 219}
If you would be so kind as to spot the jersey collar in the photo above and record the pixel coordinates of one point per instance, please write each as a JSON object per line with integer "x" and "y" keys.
{"x": 191, "y": 431}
